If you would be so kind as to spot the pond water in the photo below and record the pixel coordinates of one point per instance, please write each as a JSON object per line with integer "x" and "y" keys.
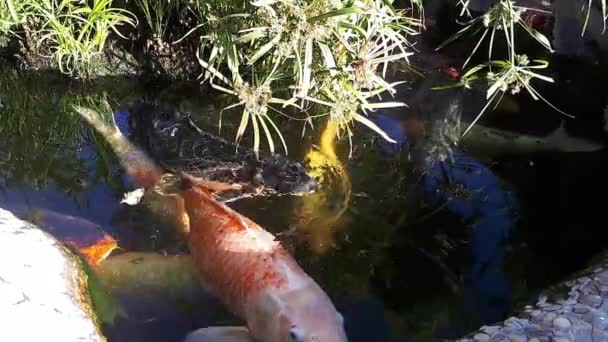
{"x": 397, "y": 270}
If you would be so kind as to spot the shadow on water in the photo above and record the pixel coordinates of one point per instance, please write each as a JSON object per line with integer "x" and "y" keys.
{"x": 405, "y": 266}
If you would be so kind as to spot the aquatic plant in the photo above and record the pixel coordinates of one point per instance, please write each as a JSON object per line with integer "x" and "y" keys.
{"x": 73, "y": 32}
{"x": 502, "y": 76}
{"x": 264, "y": 54}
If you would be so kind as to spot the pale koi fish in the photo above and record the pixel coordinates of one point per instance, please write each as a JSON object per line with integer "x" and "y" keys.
{"x": 239, "y": 261}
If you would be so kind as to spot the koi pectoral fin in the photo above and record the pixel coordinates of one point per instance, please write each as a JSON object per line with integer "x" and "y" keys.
{"x": 174, "y": 184}
{"x": 220, "y": 334}
{"x": 219, "y": 187}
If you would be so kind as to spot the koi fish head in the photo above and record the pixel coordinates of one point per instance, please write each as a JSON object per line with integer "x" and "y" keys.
{"x": 312, "y": 328}
{"x": 305, "y": 315}
{"x": 313, "y": 319}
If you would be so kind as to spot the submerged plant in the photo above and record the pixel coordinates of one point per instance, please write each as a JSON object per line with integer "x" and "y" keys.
{"x": 326, "y": 56}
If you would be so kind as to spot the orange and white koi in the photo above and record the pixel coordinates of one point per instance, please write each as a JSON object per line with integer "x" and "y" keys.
{"x": 88, "y": 239}
{"x": 239, "y": 261}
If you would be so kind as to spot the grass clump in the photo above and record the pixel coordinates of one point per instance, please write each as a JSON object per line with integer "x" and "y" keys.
{"x": 71, "y": 33}
{"x": 74, "y": 32}
{"x": 157, "y": 14}
{"x": 6, "y": 19}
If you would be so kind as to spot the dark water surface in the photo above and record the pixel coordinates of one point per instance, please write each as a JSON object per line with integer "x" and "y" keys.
{"x": 397, "y": 271}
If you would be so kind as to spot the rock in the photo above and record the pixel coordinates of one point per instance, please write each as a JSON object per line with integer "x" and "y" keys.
{"x": 481, "y": 337}
{"x": 41, "y": 297}
{"x": 591, "y": 300}
{"x": 561, "y": 323}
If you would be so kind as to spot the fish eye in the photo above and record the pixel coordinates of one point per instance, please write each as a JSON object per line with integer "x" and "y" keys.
{"x": 296, "y": 335}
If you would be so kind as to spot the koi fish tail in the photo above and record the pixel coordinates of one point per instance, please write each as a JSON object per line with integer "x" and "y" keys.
{"x": 145, "y": 171}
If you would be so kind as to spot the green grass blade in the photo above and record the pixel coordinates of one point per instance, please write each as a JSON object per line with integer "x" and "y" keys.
{"x": 337, "y": 13}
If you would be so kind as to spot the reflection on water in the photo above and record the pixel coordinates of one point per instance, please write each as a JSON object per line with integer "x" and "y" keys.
{"x": 375, "y": 241}
{"x": 473, "y": 196}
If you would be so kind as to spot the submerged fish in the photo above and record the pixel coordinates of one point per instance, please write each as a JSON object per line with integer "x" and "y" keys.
{"x": 87, "y": 238}
{"x": 240, "y": 262}
{"x": 47, "y": 292}
{"x": 492, "y": 141}
{"x": 495, "y": 141}
{"x": 255, "y": 275}
{"x": 322, "y": 213}
{"x": 148, "y": 274}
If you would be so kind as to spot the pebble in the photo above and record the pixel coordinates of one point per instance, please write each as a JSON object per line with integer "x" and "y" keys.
{"x": 490, "y": 329}
{"x": 592, "y": 300}
{"x": 549, "y": 317}
{"x": 583, "y": 282}
{"x": 602, "y": 278}
{"x": 562, "y": 323}
{"x": 590, "y": 289}
{"x": 581, "y": 308}
{"x": 553, "y": 307}
{"x": 516, "y": 322}
{"x": 517, "y": 338}
{"x": 569, "y": 302}
{"x": 481, "y": 337}
{"x": 561, "y": 339}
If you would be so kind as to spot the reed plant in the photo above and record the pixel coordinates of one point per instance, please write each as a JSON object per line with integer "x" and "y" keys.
{"x": 319, "y": 57}
{"x": 517, "y": 71}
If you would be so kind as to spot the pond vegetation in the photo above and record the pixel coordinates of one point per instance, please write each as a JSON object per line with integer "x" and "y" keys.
{"x": 293, "y": 58}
